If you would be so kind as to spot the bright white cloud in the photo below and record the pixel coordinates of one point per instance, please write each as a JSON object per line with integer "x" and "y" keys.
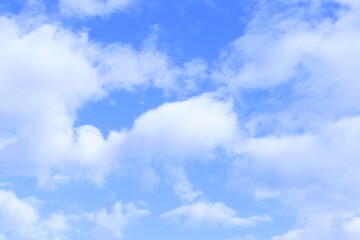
{"x": 60, "y": 72}
{"x": 56, "y": 77}
{"x": 19, "y": 219}
{"x": 200, "y": 214}
{"x": 110, "y": 225}
{"x": 89, "y": 8}
{"x": 15, "y": 214}
{"x": 183, "y": 130}
{"x": 179, "y": 132}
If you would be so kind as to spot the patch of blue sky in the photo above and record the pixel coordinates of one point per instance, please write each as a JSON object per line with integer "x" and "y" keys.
{"x": 120, "y": 109}
{"x": 11, "y": 6}
{"x": 186, "y": 29}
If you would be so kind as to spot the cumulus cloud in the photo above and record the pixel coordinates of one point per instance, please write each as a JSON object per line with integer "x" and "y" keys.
{"x": 89, "y": 8}
{"x": 60, "y": 72}
{"x": 181, "y": 131}
{"x": 16, "y": 214}
{"x": 19, "y": 218}
{"x": 201, "y": 213}
{"x": 57, "y": 76}
{"x": 310, "y": 173}
{"x": 329, "y": 152}
{"x": 176, "y": 133}
{"x": 299, "y": 61}
{"x": 297, "y": 69}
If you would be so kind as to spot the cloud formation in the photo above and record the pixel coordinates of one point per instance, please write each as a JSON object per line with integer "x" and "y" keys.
{"x": 60, "y": 72}
{"x": 286, "y": 114}
{"x": 110, "y": 225}
{"x": 206, "y": 214}
{"x": 91, "y": 8}
{"x": 19, "y": 219}
{"x": 302, "y": 132}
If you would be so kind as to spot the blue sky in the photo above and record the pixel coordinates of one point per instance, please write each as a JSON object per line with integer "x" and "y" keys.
{"x": 194, "y": 119}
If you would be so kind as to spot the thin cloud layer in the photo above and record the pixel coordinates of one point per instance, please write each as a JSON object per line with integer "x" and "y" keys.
{"x": 110, "y": 225}
{"x": 91, "y": 8}
{"x": 205, "y": 214}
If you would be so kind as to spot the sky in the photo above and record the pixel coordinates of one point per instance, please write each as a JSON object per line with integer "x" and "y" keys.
{"x": 193, "y": 119}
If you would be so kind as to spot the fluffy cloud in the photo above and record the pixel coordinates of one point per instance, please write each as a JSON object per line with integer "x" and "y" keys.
{"x": 19, "y": 218}
{"x": 327, "y": 153}
{"x": 311, "y": 55}
{"x": 60, "y": 72}
{"x": 57, "y": 76}
{"x": 88, "y": 8}
{"x": 202, "y": 213}
{"x": 299, "y": 74}
{"x": 16, "y": 214}
{"x": 183, "y": 130}
{"x": 176, "y": 133}
{"x": 311, "y": 173}
{"x": 299, "y": 151}
{"x": 110, "y": 225}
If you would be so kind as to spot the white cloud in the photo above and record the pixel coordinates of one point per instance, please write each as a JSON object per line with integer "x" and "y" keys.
{"x": 57, "y": 76}
{"x": 184, "y": 130}
{"x": 60, "y": 72}
{"x": 19, "y": 219}
{"x": 325, "y": 227}
{"x": 202, "y": 214}
{"x": 302, "y": 147}
{"x": 110, "y": 225}
{"x": 88, "y": 8}
{"x": 315, "y": 55}
{"x": 128, "y": 69}
{"x": 176, "y": 133}
{"x": 328, "y": 156}
{"x": 15, "y": 214}
{"x": 311, "y": 173}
